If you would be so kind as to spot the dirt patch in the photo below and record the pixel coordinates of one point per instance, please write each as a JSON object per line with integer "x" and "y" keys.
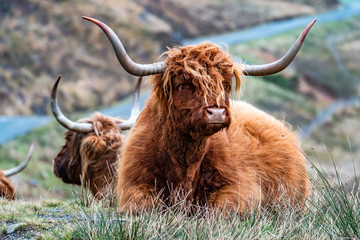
{"x": 306, "y": 89}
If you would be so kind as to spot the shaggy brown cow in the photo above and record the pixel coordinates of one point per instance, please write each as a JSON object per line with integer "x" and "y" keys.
{"x": 6, "y": 189}
{"x": 190, "y": 138}
{"x": 91, "y": 147}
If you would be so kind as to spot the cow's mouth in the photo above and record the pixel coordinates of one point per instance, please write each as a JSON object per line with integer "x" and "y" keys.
{"x": 216, "y": 123}
{"x": 213, "y": 128}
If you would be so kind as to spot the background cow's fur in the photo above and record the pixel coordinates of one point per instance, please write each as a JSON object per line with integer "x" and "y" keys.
{"x": 6, "y": 189}
{"x": 249, "y": 159}
{"x": 88, "y": 158}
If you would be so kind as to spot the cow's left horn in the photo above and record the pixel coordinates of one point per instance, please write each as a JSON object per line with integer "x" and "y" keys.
{"x": 129, "y": 65}
{"x": 22, "y": 166}
{"x": 60, "y": 117}
{"x": 282, "y": 63}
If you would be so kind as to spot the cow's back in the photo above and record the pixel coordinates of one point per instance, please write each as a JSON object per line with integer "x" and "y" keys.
{"x": 267, "y": 147}
{"x": 6, "y": 189}
{"x": 267, "y": 151}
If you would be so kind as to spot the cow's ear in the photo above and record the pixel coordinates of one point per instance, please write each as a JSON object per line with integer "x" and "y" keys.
{"x": 96, "y": 126}
{"x": 163, "y": 89}
{"x": 239, "y": 76}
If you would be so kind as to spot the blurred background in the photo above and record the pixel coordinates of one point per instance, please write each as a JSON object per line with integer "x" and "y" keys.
{"x": 318, "y": 94}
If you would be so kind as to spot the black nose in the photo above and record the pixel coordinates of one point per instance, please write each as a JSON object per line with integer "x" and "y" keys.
{"x": 216, "y": 115}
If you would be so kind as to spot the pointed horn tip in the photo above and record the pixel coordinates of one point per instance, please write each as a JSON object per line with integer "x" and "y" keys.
{"x": 54, "y": 88}
{"x": 29, "y": 155}
{"x": 92, "y": 20}
{"x": 102, "y": 25}
{"x": 31, "y": 148}
{"x": 312, "y": 23}
{"x": 306, "y": 30}
{"x": 87, "y": 18}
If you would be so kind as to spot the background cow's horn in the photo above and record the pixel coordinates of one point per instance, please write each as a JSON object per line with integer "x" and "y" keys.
{"x": 135, "y": 111}
{"x": 282, "y": 63}
{"x": 124, "y": 59}
{"x": 22, "y": 166}
{"x": 60, "y": 117}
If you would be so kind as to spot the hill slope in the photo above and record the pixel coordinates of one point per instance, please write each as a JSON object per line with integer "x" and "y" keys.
{"x": 42, "y": 39}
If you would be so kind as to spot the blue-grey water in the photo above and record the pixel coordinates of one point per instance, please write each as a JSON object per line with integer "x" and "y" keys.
{"x": 11, "y": 127}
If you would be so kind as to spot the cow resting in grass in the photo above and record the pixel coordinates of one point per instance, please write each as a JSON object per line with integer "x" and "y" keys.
{"x": 6, "y": 189}
{"x": 91, "y": 147}
{"x": 193, "y": 140}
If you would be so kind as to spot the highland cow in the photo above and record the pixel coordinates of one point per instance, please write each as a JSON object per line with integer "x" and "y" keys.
{"x": 6, "y": 189}
{"x": 191, "y": 138}
{"x": 91, "y": 147}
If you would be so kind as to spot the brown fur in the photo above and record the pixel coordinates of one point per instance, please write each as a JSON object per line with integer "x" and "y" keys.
{"x": 249, "y": 160}
{"x": 6, "y": 189}
{"x": 88, "y": 158}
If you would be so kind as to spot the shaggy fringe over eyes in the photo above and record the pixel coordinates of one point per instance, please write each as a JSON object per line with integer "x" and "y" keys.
{"x": 86, "y": 148}
{"x": 208, "y": 67}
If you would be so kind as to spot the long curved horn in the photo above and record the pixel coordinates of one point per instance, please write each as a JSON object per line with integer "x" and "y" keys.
{"x": 22, "y": 165}
{"x": 87, "y": 127}
{"x": 60, "y": 117}
{"x": 135, "y": 111}
{"x": 124, "y": 59}
{"x": 282, "y": 63}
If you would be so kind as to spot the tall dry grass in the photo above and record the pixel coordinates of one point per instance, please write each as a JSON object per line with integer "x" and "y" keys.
{"x": 332, "y": 211}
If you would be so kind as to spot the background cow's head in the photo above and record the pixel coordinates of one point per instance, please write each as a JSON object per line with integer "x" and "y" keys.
{"x": 88, "y": 158}
{"x": 91, "y": 147}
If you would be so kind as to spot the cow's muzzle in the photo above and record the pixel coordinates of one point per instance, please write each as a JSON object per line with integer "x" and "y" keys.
{"x": 216, "y": 115}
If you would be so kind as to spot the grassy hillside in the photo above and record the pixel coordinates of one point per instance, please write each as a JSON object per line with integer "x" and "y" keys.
{"x": 331, "y": 211}
{"x": 42, "y": 39}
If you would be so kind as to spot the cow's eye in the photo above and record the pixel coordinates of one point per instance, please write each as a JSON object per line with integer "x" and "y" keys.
{"x": 184, "y": 86}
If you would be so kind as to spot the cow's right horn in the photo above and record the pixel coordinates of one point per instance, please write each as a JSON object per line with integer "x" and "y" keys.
{"x": 87, "y": 127}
